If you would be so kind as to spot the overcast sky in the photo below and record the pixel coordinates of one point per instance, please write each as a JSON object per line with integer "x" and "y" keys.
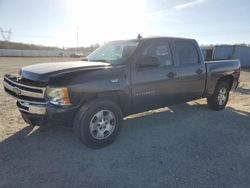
{"x": 55, "y": 22}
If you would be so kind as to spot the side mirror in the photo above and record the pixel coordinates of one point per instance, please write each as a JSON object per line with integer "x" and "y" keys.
{"x": 149, "y": 61}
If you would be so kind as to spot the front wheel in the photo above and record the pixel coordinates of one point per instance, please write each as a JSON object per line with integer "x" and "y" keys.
{"x": 219, "y": 99}
{"x": 98, "y": 123}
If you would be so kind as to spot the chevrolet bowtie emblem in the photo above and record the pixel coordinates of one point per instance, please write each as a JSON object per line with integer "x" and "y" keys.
{"x": 17, "y": 91}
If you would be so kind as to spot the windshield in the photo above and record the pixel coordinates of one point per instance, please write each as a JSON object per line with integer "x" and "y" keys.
{"x": 113, "y": 52}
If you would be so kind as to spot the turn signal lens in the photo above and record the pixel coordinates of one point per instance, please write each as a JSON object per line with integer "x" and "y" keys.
{"x": 58, "y": 96}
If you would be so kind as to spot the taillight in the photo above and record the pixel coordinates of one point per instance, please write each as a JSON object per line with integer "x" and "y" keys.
{"x": 238, "y": 72}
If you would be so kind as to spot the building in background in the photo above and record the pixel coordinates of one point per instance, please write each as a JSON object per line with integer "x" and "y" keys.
{"x": 219, "y": 52}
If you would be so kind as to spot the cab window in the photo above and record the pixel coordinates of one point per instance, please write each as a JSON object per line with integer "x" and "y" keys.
{"x": 161, "y": 51}
{"x": 186, "y": 53}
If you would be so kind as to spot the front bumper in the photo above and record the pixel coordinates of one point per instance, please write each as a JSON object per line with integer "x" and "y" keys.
{"x": 31, "y": 108}
{"x": 54, "y": 115}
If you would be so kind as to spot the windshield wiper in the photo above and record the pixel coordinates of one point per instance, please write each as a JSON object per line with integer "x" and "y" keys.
{"x": 84, "y": 59}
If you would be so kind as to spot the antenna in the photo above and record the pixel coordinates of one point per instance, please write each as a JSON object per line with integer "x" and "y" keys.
{"x": 77, "y": 41}
{"x": 139, "y": 36}
{"x": 5, "y": 34}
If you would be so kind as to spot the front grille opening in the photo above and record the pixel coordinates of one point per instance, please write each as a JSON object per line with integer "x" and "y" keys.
{"x": 23, "y": 87}
{"x": 21, "y": 97}
{"x": 22, "y": 107}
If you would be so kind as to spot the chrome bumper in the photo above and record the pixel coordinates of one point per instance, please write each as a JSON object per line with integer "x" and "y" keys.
{"x": 30, "y": 99}
{"x": 31, "y": 108}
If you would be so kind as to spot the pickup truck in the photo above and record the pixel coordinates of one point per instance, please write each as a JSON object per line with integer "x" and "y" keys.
{"x": 118, "y": 79}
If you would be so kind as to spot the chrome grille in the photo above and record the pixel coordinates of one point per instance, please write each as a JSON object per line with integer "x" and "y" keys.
{"x": 30, "y": 98}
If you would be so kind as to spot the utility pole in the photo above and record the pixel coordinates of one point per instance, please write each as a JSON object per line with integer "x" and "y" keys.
{"x": 5, "y": 34}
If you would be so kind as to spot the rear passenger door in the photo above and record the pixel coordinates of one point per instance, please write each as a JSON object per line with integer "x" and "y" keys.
{"x": 191, "y": 70}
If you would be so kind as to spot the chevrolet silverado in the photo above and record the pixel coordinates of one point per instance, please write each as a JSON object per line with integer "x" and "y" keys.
{"x": 118, "y": 79}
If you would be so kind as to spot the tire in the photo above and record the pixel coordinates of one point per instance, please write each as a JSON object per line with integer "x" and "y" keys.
{"x": 220, "y": 97}
{"x": 98, "y": 123}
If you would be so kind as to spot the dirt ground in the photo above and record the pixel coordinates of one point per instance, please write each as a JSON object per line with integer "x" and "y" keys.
{"x": 185, "y": 145}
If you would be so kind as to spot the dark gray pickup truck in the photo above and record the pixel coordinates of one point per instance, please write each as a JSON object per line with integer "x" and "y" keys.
{"x": 118, "y": 79}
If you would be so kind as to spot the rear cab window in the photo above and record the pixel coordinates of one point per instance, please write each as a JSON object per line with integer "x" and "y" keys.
{"x": 186, "y": 53}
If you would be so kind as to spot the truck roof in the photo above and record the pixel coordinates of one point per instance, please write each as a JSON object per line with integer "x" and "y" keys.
{"x": 154, "y": 37}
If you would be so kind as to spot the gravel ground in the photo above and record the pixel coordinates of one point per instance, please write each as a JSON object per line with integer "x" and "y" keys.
{"x": 185, "y": 145}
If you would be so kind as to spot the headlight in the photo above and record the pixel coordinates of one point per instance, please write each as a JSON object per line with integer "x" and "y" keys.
{"x": 58, "y": 96}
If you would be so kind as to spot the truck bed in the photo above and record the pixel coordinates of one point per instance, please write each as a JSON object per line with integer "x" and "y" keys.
{"x": 216, "y": 69}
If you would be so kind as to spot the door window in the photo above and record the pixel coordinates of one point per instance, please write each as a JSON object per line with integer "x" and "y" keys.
{"x": 161, "y": 51}
{"x": 187, "y": 53}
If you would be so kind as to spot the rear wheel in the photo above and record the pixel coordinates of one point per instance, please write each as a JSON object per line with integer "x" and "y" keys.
{"x": 98, "y": 123}
{"x": 219, "y": 99}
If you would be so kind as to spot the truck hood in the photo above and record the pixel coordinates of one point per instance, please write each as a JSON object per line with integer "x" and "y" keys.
{"x": 43, "y": 72}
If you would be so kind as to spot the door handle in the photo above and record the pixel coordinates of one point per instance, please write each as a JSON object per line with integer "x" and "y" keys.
{"x": 199, "y": 71}
{"x": 171, "y": 75}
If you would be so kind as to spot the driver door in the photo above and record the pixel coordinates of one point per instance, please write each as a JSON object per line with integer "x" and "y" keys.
{"x": 154, "y": 86}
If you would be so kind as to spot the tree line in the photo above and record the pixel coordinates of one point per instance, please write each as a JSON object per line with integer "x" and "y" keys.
{"x": 24, "y": 46}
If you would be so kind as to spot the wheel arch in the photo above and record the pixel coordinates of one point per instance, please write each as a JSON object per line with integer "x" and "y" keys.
{"x": 119, "y": 98}
{"x": 228, "y": 79}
